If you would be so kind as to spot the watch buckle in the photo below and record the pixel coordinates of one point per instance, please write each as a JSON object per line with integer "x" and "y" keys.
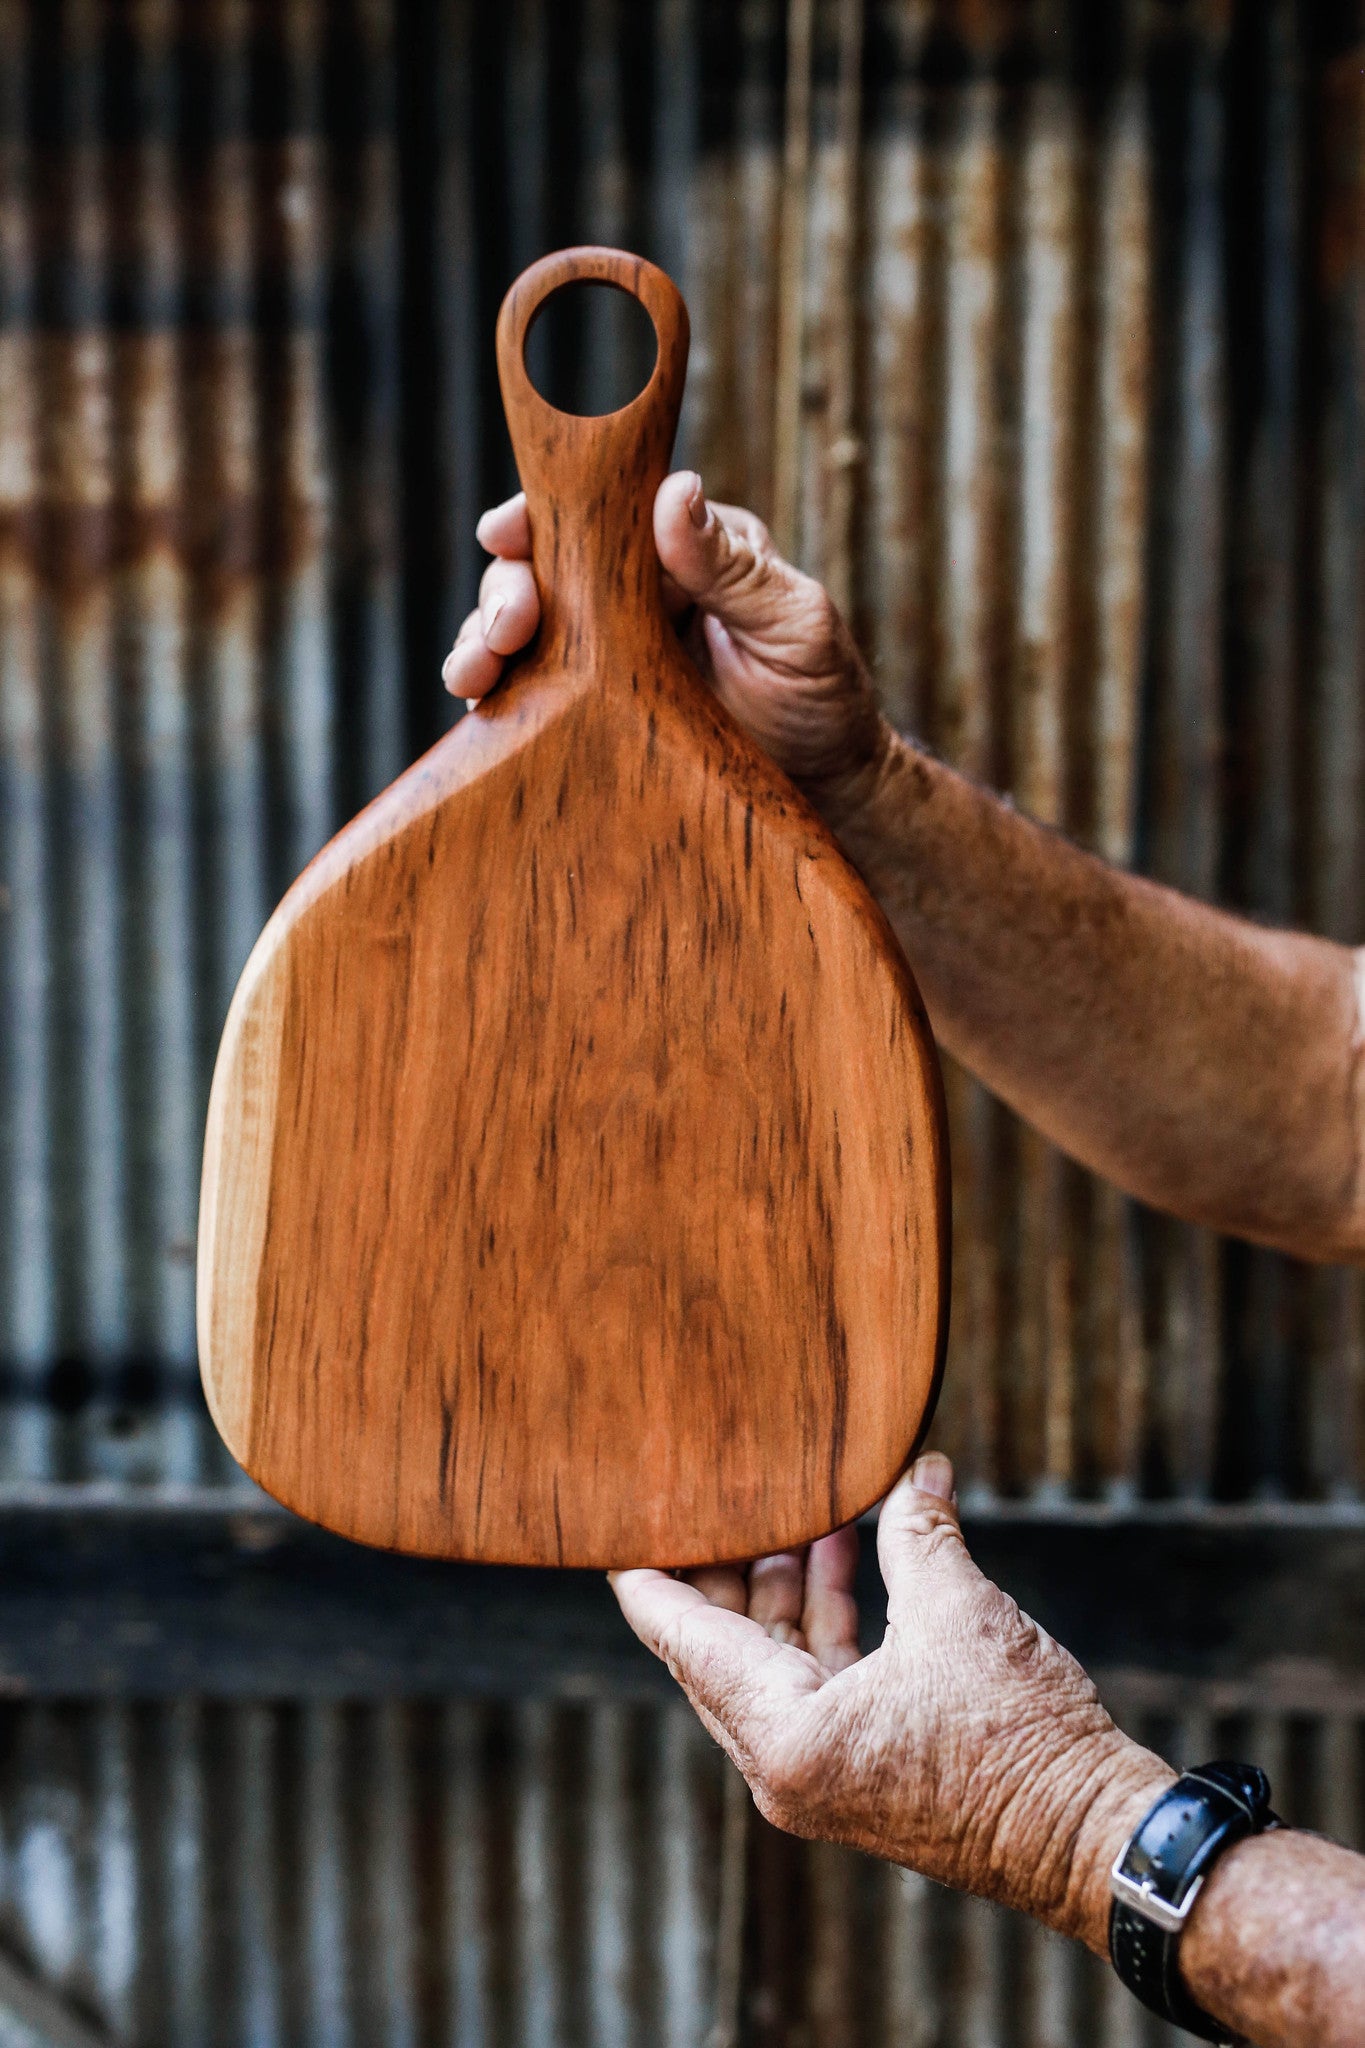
{"x": 1141, "y": 1895}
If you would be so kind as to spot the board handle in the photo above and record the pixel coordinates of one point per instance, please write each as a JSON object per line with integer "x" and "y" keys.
{"x": 590, "y": 481}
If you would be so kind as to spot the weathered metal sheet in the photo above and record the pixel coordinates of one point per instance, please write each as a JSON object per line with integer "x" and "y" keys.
{"x": 1037, "y": 330}
{"x": 965, "y": 271}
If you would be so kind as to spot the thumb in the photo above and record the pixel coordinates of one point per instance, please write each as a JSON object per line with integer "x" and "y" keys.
{"x": 723, "y": 559}
{"x": 920, "y": 1545}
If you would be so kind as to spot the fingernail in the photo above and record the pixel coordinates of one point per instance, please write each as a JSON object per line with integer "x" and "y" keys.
{"x": 488, "y": 617}
{"x": 450, "y": 667}
{"x": 472, "y": 703}
{"x": 697, "y": 506}
{"x": 933, "y": 1474}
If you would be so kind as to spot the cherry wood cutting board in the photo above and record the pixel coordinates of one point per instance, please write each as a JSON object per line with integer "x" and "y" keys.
{"x": 575, "y": 1183}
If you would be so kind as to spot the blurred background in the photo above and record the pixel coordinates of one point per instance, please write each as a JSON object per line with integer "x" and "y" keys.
{"x": 1037, "y": 329}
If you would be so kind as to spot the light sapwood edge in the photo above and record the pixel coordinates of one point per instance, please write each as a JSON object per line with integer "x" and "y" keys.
{"x": 235, "y": 1192}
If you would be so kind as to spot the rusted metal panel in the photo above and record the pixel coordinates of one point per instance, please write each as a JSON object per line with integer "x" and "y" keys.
{"x": 468, "y": 1874}
{"x": 1042, "y": 687}
{"x": 1067, "y": 522}
{"x": 153, "y": 600}
{"x": 1037, "y": 328}
{"x": 966, "y": 693}
{"x": 25, "y": 802}
{"x": 901, "y": 358}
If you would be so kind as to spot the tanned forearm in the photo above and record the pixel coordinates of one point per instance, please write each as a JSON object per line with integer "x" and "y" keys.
{"x": 1275, "y": 1946}
{"x": 1212, "y": 1068}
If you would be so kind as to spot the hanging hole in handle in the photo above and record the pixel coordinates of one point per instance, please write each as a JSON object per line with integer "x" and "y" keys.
{"x": 591, "y": 348}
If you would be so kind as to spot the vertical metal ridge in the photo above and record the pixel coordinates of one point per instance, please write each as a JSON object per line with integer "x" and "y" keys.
{"x": 969, "y": 643}
{"x": 611, "y": 1877}
{"x": 699, "y": 89}
{"x": 295, "y": 229}
{"x": 791, "y": 277}
{"x": 540, "y": 2001}
{"x": 457, "y": 306}
{"x": 154, "y": 604}
{"x": 468, "y": 1902}
{"x": 179, "y": 1820}
{"x": 117, "y": 1961}
{"x": 26, "y": 941}
{"x": 256, "y": 1899}
{"x": 372, "y": 742}
{"x": 910, "y": 2012}
{"x": 79, "y": 508}
{"x": 1123, "y": 248}
{"x": 330, "y": 1990}
{"x": 684, "y": 1882}
{"x": 833, "y": 451}
{"x": 831, "y": 2001}
{"x": 1266, "y": 655}
{"x": 1186, "y": 654}
{"x": 757, "y": 204}
{"x": 1048, "y": 521}
{"x": 390, "y": 1823}
{"x": 606, "y": 199}
{"x": 224, "y": 444}
{"x": 901, "y": 353}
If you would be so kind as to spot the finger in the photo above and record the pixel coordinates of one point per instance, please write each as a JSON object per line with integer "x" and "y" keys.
{"x": 509, "y": 606}
{"x": 830, "y": 1614}
{"x": 724, "y": 1585}
{"x": 776, "y": 1591}
{"x": 919, "y": 1538}
{"x": 734, "y": 1674}
{"x": 720, "y": 557}
{"x": 469, "y": 670}
{"x": 506, "y": 529}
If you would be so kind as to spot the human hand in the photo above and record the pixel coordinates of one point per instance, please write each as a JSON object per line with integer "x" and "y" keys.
{"x": 767, "y": 638}
{"x": 803, "y": 1598}
{"x": 969, "y": 1745}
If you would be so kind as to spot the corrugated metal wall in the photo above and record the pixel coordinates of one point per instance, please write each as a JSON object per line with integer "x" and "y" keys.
{"x": 1039, "y": 331}
{"x": 520, "y": 1876}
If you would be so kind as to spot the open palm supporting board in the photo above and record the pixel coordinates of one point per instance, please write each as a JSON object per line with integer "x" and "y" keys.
{"x": 575, "y": 1185}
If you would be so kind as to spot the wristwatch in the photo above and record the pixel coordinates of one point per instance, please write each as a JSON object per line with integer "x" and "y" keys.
{"x": 1160, "y": 1872}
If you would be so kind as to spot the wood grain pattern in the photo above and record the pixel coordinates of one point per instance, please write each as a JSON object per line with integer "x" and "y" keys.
{"x": 575, "y": 1183}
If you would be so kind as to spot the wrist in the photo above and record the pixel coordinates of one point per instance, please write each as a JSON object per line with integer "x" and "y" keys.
{"x": 857, "y": 803}
{"x": 841, "y": 792}
{"x": 1066, "y": 1822}
{"x": 1118, "y": 1790}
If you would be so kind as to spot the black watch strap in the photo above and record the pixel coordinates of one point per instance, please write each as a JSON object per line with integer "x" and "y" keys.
{"x": 1160, "y": 1872}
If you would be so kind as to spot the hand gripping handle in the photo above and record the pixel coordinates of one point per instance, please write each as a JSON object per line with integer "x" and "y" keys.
{"x": 590, "y": 482}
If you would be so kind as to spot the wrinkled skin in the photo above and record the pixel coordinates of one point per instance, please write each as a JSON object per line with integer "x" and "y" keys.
{"x": 768, "y": 638}
{"x": 968, "y": 1745}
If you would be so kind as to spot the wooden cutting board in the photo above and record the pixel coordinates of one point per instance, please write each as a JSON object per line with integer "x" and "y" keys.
{"x": 575, "y": 1184}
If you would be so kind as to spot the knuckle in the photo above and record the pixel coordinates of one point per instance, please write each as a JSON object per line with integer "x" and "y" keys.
{"x": 740, "y": 566}
{"x": 673, "y": 1651}
{"x": 1001, "y": 1627}
{"x": 932, "y": 1530}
